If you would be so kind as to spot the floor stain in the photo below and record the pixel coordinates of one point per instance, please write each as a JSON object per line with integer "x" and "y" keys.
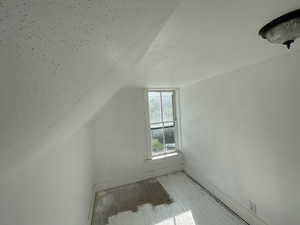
{"x": 128, "y": 198}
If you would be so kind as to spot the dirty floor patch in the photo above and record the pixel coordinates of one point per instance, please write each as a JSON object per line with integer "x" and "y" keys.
{"x": 128, "y": 198}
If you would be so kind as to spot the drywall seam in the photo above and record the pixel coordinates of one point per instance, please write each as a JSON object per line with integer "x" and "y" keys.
{"x": 228, "y": 202}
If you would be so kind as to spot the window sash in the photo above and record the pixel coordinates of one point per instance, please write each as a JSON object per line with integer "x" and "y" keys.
{"x": 163, "y": 126}
{"x": 163, "y": 123}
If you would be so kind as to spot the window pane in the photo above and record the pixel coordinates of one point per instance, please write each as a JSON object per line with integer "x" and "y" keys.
{"x": 157, "y": 141}
{"x": 170, "y": 139}
{"x": 154, "y": 107}
{"x": 167, "y": 105}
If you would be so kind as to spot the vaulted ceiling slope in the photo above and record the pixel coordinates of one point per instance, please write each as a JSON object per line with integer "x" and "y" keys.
{"x": 204, "y": 38}
{"x": 61, "y": 60}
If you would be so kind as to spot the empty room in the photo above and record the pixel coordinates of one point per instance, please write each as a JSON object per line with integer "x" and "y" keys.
{"x": 149, "y": 112}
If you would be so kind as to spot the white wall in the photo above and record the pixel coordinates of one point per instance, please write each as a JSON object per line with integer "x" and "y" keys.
{"x": 60, "y": 61}
{"x": 241, "y": 136}
{"x": 52, "y": 188}
{"x": 56, "y": 182}
{"x": 119, "y": 141}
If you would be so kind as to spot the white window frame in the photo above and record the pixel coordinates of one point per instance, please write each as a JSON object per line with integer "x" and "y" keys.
{"x": 177, "y": 119}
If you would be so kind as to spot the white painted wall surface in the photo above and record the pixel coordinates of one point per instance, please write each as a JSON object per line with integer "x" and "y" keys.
{"x": 60, "y": 61}
{"x": 53, "y": 188}
{"x": 119, "y": 141}
{"x": 241, "y": 135}
{"x": 55, "y": 184}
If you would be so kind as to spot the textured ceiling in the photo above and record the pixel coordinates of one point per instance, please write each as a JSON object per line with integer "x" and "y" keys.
{"x": 61, "y": 60}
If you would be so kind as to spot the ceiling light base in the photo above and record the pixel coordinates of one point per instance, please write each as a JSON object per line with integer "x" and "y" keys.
{"x": 283, "y": 30}
{"x": 288, "y": 43}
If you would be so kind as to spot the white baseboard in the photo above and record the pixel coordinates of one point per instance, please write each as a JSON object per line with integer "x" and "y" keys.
{"x": 240, "y": 210}
{"x": 115, "y": 182}
{"x": 150, "y": 168}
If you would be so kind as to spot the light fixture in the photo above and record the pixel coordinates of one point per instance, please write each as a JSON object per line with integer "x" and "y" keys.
{"x": 283, "y": 30}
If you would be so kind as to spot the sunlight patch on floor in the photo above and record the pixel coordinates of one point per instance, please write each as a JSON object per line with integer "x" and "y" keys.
{"x": 185, "y": 218}
{"x": 191, "y": 205}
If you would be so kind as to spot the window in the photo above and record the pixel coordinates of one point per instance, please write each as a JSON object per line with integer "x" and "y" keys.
{"x": 163, "y": 124}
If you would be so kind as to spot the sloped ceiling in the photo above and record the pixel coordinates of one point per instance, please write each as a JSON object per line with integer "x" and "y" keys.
{"x": 61, "y": 60}
{"x": 204, "y": 38}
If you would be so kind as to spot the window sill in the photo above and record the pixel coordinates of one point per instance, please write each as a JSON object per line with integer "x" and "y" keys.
{"x": 172, "y": 154}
